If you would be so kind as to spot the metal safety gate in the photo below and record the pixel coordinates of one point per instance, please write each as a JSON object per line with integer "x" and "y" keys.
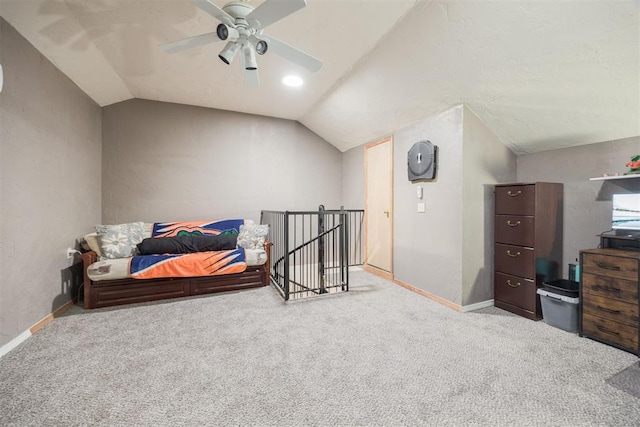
{"x": 312, "y": 250}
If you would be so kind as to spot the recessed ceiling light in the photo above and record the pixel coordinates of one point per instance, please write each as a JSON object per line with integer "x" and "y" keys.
{"x": 292, "y": 81}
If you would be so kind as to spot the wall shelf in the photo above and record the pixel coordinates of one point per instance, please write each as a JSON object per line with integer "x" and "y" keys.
{"x": 607, "y": 178}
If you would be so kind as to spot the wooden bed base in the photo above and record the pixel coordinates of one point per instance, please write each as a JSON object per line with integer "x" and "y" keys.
{"x": 106, "y": 293}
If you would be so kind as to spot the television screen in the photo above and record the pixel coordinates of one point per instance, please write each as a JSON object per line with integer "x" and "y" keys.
{"x": 626, "y": 212}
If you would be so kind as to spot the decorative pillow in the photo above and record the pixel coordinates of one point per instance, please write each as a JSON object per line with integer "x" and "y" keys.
{"x": 93, "y": 242}
{"x": 148, "y": 229}
{"x": 252, "y": 235}
{"x": 119, "y": 241}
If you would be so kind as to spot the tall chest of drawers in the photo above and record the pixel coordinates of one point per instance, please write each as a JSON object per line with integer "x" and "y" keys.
{"x": 528, "y": 227}
{"x": 609, "y": 297}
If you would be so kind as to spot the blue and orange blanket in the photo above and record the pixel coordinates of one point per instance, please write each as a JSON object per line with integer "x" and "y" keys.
{"x": 193, "y": 264}
{"x": 173, "y": 229}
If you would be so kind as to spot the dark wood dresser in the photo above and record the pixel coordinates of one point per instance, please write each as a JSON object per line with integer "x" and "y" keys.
{"x": 528, "y": 244}
{"x": 609, "y": 297}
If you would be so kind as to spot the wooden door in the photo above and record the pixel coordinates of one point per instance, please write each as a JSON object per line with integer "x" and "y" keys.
{"x": 379, "y": 203}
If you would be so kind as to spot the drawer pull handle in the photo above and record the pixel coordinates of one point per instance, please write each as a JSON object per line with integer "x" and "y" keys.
{"x": 514, "y": 193}
{"x": 512, "y": 285}
{"x": 513, "y": 224}
{"x": 606, "y": 289}
{"x": 607, "y": 331}
{"x": 517, "y": 254}
{"x": 608, "y": 310}
{"x": 607, "y": 266}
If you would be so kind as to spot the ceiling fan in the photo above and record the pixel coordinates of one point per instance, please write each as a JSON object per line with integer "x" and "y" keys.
{"x": 242, "y": 27}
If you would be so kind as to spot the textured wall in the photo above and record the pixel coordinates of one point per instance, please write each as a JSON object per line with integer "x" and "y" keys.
{"x": 353, "y": 178}
{"x": 49, "y": 182}
{"x": 448, "y": 250}
{"x": 166, "y": 162}
{"x": 529, "y": 69}
{"x": 587, "y": 204}
{"x": 486, "y": 161}
{"x": 427, "y": 247}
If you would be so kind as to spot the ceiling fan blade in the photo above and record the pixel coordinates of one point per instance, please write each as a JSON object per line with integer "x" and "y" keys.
{"x": 189, "y": 42}
{"x": 273, "y": 10}
{"x": 292, "y": 54}
{"x": 214, "y": 11}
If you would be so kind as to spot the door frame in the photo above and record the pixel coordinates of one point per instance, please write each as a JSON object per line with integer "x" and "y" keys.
{"x": 369, "y": 268}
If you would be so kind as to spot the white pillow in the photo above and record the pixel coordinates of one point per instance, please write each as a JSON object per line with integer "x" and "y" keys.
{"x": 148, "y": 229}
{"x": 252, "y": 236}
{"x": 120, "y": 240}
{"x": 93, "y": 241}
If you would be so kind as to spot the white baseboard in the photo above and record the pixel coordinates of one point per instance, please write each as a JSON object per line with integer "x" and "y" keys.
{"x": 35, "y": 328}
{"x": 14, "y": 342}
{"x": 477, "y": 306}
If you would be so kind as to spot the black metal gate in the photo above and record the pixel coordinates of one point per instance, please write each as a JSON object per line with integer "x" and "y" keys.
{"x": 312, "y": 250}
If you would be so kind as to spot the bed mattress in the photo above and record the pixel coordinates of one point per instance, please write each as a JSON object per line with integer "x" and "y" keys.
{"x": 120, "y": 268}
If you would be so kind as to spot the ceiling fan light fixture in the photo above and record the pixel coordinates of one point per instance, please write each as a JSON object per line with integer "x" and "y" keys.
{"x": 229, "y": 52}
{"x": 241, "y": 27}
{"x": 292, "y": 81}
{"x": 225, "y": 32}
{"x": 249, "y": 58}
{"x": 222, "y": 31}
{"x": 261, "y": 47}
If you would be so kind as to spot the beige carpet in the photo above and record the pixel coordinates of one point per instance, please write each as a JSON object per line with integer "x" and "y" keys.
{"x": 377, "y": 355}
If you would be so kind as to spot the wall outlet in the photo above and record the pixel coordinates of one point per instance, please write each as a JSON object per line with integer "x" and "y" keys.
{"x": 70, "y": 253}
{"x": 422, "y": 208}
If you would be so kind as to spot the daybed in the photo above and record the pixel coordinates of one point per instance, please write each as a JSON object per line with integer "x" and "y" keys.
{"x": 138, "y": 262}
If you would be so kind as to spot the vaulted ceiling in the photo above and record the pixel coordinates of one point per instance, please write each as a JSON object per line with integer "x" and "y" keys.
{"x": 541, "y": 74}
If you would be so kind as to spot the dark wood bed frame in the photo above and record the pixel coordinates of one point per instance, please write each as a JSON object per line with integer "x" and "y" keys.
{"x": 106, "y": 293}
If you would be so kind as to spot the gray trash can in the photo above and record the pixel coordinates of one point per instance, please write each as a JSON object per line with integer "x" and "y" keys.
{"x": 560, "y": 311}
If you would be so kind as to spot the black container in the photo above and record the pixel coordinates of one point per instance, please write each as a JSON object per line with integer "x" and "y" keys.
{"x": 572, "y": 272}
{"x": 568, "y": 288}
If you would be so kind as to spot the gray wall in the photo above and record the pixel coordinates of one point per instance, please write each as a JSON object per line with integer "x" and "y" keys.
{"x": 50, "y": 142}
{"x": 486, "y": 162}
{"x": 448, "y": 250}
{"x": 587, "y": 204}
{"x": 353, "y": 178}
{"x": 169, "y": 162}
{"x": 427, "y": 249}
